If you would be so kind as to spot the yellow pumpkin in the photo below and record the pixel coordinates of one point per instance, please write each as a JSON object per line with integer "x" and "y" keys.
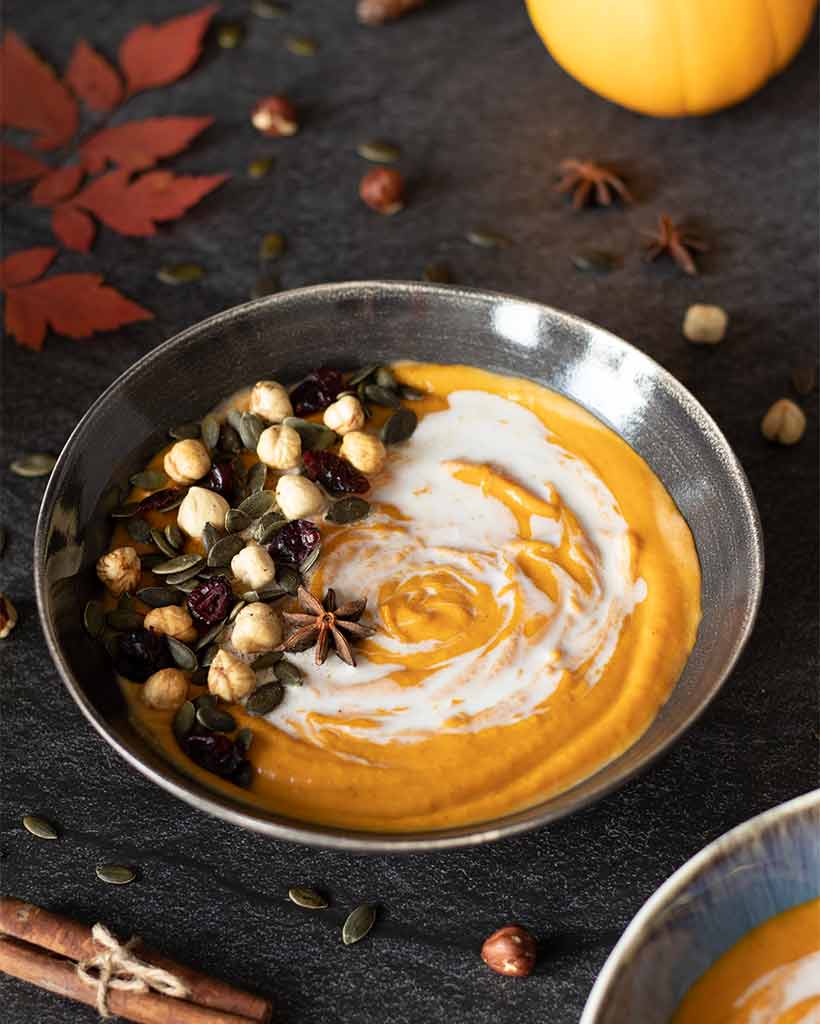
{"x": 673, "y": 57}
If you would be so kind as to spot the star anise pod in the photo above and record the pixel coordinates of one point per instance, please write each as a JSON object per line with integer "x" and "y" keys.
{"x": 588, "y": 182}
{"x": 675, "y": 240}
{"x": 323, "y": 624}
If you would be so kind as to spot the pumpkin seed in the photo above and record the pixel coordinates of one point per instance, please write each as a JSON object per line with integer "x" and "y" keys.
{"x": 229, "y": 36}
{"x": 210, "y": 636}
{"x": 250, "y": 597}
{"x": 347, "y": 510}
{"x": 176, "y": 578}
{"x": 411, "y": 394}
{"x": 309, "y": 899}
{"x": 268, "y": 9}
{"x": 363, "y": 374}
{"x": 256, "y": 505}
{"x": 149, "y": 480}
{"x": 94, "y": 619}
{"x": 288, "y": 579}
{"x": 266, "y": 284}
{"x": 224, "y": 550}
{"x": 209, "y": 432}
{"x": 266, "y": 526}
{"x": 595, "y": 260}
{"x": 234, "y": 417}
{"x": 173, "y": 535}
{"x": 158, "y": 539}
{"x": 115, "y": 874}
{"x": 158, "y": 597}
{"x": 124, "y": 621}
{"x": 358, "y": 924}
{"x": 209, "y": 573}
{"x": 438, "y": 272}
{"x": 184, "y": 720}
{"x": 385, "y": 378}
{"x": 272, "y": 246}
{"x": 399, "y": 427}
{"x": 125, "y": 511}
{"x": 236, "y": 521}
{"x": 39, "y": 827}
{"x": 382, "y": 396}
{"x": 260, "y": 167}
{"x": 237, "y": 608}
{"x": 244, "y": 739}
{"x": 314, "y": 436}
{"x": 205, "y": 700}
{"x": 250, "y": 427}
{"x": 229, "y": 439}
{"x": 179, "y": 564}
{"x": 127, "y": 603}
{"x": 257, "y": 475}
{"x": 186, "y": 432}
{"x": 301, "y": 46}
{"x": 486, "y": 239}
{"x": 139, "y": 530}
{"x": 200, "y": 677}
{"x": 180, "y": 273}
{"x": 33, "y": 464}
{"x": 182, "y": 654}
{"x": 244, "y": 775}
{"x": 287, "y": 673}
{"x": 378, "y": 151}
{"x": 267, "y": 660}
{"x": 210, "y": 535}
{"x": 265, "y": 699}
{"x": 208, "y": 655}
{"x": 310, "y": 561}
{"x": 215, "y": 719}
{"x": 188, "y": 586}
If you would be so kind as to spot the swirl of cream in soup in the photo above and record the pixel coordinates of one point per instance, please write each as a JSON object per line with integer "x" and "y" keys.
{"x": 495, "y": 564}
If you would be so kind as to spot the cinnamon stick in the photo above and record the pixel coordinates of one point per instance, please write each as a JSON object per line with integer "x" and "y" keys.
{"x": 71, "y": 939}
{"x": 59, "y": 976}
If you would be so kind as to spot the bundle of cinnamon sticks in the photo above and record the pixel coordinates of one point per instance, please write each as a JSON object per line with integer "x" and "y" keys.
{"x": 30, "y": 937}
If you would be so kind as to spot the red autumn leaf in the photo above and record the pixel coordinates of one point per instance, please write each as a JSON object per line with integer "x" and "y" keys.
{"x": 93, "y": 79}
{"x": 134, "y": 207}
{"x": 139, "y": 144}
{"x": 57, "y": 185}
{"x": 17, "y": 165}
{"x": 35, "y": 99}
{"x": 76, "y": 305}
{"x": 74, "y": 228}
{"x": 156, "y": 55}
{"x": 26, "y": 265}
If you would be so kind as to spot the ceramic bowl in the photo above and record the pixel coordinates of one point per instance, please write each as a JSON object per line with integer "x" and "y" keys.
{"x": 356, "y": 323}
{"x": 759, "y": 869}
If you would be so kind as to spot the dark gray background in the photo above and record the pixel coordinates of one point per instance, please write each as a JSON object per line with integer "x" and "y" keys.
{"x": 483, "y": 116}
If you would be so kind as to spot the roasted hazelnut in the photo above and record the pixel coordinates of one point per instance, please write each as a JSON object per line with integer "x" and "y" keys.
{"x": 172, "y": 621}
{"x": 120, "y": 570}
{"x": 253, "y": 566}
{"x": 256, "y": 628}
{"x": 298, "y": 497}
{"x": 705, "y": 325}
{"x": 511, "y": 950}
{"x": 363, "y": 451}
{"x": 279, "y": 447}
{"x": 229, "y": 678}
{"x": 275, "y": 116}
{"x": 344, "y": 415}
{"x": 187, "y": 461}
{"x": 785, "y": 422}
{"x": 8, "y": 616}
{"x": 270, "y": 401}
{"x": 166, "y": 690}
{"x": 382, "y": 189}
{"x": 201, "y": 506}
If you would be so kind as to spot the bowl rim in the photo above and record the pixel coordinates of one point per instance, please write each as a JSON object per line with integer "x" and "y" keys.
{"x": 329, "y": 837}
{"x": 635, "y": 933}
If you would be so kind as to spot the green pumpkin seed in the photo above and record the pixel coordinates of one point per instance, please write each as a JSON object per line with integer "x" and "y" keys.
{"x": 266, "y": 284}
{"x": 174, "y": 536}
{"x": 33, "y": 464}
{"x": 301, "y": 46}
{"x": 200, "y": 677}
{"x": 94, "y": 619}
{"x": 261, "y": 167}
{"x": 210, "y": 636}
{"x": 310, "y": 560}
{"x": 266, "y": 526}
{"x": 438, "y": 272}
{"x": 180, "y": 563}
{"x": 225, "y": 549}
{"x": 244, "y": 739}
{"x": 237, "y": 608}
{"x": 39, "y": 827}
{"x": 486, "y": 239}
{"x": 378, "y": 151}
{"x": 187, "y": 586}
{"x": 268, "y": 9}
{"x": 209, "y": 573}
{"x": 267, "y": 660}
{"x": 411, "y": 394}
{"x": 205, "y": 700}
{"x": 234, "y": 417}
{"x": 209, "y": 431}
{"x": 186, "y": 432}
{"x": 244, "y": 775}
{"x": 257, "y": 476}
{"x": 314, "y": 436}
{"x": 265, "y": 699}
{"x": 139, "y": 530}
{"x": 149, "y": 480}
{"x": 362, "y": 375}
{"x": 347, "y": 510}
{"x": 125, "y": 511}
{"x": 229, "y": 36}
{"x": 182, "y": 654}
{"x": 158, "y": 597}
{"x": 176, "y": 579}
{"x": 385, "y": 378}
{"x": 256, "y": 505}
{"x": 287, "y": 673}
{"x": 250, "y": 427}
{"x": 236, "y": 521}
{"x": 159, "y": 540}
{"x": 180, "y": 273}
{"x": 250, "y": 597}
{"x": 400, "y": 427}
{"x": 272, "y": 246}
{"x": 215, "y": 719}
{"x": 184, "y": 720}
{"x": 358, "y": 924}
{"x": 115, "y": 874}
{"x": 208, "y": 656}
{"x": 124, "y": 621}
{"x": 381, "y": 396}
{"x": 595, "y": 261}
{"x": 309, "y": 899}
{"x": 229, "y": 439}
{"x": 288, "y": 579}
{"x": 210, "y": 535}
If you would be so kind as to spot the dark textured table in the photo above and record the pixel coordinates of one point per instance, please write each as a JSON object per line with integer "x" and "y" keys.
{"x": 483, "y": 116}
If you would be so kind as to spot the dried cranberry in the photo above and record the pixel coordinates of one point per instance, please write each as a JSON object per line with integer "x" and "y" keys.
{"x": 335, "y": 474}
{"x": 140, "y": 653}
{"x": 316, "y": 391}
{"x": 211, "y": 601}
{"x": 295, "y": 541}
{"x": 214, "y": 752}
{"x": 159, "y": 499}
{"x": 221, "y": 479}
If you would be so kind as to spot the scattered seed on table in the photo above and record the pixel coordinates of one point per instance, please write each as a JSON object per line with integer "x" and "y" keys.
{"x": 358, "y": 924}
{"x": 301, "y": 46}
{"x": 115, "y": 874}
{"x": 272, "y": 246}
{"x": 39, "y": 827}
{"x": 260, "y": 167}
{"x": 33, "y": 464}
{"x": 307, "y": 898}
{"x": 180, "y": 273}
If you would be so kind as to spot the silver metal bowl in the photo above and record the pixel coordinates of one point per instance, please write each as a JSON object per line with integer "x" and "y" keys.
{"x": 363, "y": 322}
{"x": 761, "y": 868}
